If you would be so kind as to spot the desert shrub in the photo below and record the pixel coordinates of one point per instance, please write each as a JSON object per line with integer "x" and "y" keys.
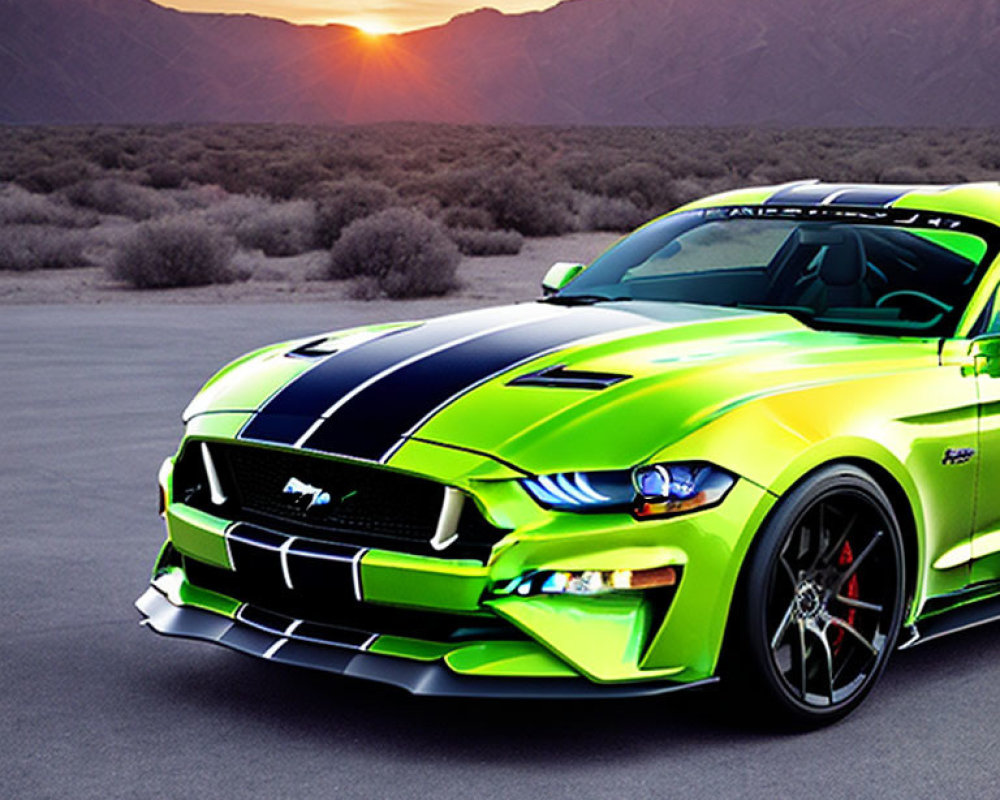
{"x": 114, "y": 196}
{"x": 53, "y": 177}
{"x": 104, "y": 149}
{"x": 610, "y": 214}
{"x": 466, "y": 217}
{"x": 341, "y": 203}
{"x": 477, "y": 242}
{"x": 450, "y": 187}
{"x": 701, "y": 165}
{"x": 685, "y": 190}
{"x": 520, "y": 201}
{"x": 17, "y": 162}
{"x": 988, "y": 154}
{"x": 279, "y": 229}
{"x": 198, "y": 197}
{"x": 864, "y": 166}
{"x": 341, "y": 160}
{"x": 743, "y": 154}
{"x": 176, "y": 251}
{"x": 584, "y": 171}
{"x": 234, "y": 170}
{"x": 285, "y": 229}
{"x": 30, "y": 247}
{"x": 233, "y": 209}
{"x": 21, "y": 207}
{"x": 529, "y": 179}
{"x": 428, "y": 206}
{"x": 365, "y": 287}
{"x": 405, "y": 252}
{"x": 283, "y": 180}
{"x": 165, "y": 175}
{"x": 646, "y": 186}
{"x": 783, "y": 172}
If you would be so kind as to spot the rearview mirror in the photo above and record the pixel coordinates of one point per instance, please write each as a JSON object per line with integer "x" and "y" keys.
{"x": 985, "y": 351}
{"x": 559, "y": 274}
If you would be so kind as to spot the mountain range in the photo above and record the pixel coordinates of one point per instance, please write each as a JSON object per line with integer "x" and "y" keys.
{"x": 607, "y": 62}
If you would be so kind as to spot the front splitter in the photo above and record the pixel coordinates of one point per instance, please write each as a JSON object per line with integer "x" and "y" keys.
{"x": 416, "y": 677}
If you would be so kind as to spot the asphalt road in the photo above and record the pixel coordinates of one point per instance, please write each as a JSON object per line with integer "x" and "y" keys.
{"x": 92, "y": 705}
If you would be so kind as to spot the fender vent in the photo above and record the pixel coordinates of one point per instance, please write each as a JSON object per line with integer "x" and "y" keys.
{"x": 559, "y": 377}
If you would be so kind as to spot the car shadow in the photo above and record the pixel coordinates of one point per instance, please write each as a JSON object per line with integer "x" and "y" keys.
{"x": 515, "y": 731}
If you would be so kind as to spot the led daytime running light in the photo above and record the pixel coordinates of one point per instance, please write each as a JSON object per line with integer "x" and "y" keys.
{"x": 569, "y": 490}
{"x": 588, "y": 583}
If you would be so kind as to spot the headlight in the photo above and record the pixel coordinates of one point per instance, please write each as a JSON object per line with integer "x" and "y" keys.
{"x": 650, "y": 490}
{"x": 663, "y": 489}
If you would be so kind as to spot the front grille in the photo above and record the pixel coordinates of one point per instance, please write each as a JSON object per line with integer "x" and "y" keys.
{"x": 369, "y": 506}
{"x": 260, "y": 585}
{"x": 364, "y": 499}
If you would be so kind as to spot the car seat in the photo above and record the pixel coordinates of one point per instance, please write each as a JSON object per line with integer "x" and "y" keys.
{"x": 838, "y": 281}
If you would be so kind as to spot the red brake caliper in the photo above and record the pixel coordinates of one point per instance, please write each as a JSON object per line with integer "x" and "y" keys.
{"x": 844, "y": 559}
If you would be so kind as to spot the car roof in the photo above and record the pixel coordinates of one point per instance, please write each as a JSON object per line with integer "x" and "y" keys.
{"x": 976, "y": 200}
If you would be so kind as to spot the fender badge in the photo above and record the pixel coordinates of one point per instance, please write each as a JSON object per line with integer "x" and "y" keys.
{"x": 957, "y": 455}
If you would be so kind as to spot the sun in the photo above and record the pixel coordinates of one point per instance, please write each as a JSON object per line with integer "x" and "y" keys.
{"x": 372, "y": 27}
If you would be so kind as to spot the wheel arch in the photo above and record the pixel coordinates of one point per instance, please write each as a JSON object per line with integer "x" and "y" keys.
{"x": 892, "y": 476}
{"x": 906, "y": 517}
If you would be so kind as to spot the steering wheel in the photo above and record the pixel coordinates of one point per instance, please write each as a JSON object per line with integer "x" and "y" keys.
{"x": 903, "y": 293}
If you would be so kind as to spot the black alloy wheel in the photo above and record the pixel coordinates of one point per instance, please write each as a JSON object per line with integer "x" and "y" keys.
{"x": 822, "y": 600}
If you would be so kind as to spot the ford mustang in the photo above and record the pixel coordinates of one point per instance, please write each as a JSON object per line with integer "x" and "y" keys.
{"x": 753, "y": 441}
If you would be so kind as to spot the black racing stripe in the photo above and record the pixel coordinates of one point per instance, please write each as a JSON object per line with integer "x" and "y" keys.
{"x": 276, "y": 428}
{"x": 871, "y": 196}
{"x": 372, "y": 422}
{"x": 288, "y": 415}
{"x": 842, "y": 195}
{"x": 808, "y": 194}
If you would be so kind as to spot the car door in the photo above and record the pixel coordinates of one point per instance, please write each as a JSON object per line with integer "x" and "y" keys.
{"x": 985, "y": 546}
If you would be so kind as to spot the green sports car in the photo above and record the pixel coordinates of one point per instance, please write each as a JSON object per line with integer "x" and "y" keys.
{"x": 753, "y": 440}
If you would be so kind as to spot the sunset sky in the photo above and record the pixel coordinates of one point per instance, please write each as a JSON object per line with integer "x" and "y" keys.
{"x": 375, "y": 16}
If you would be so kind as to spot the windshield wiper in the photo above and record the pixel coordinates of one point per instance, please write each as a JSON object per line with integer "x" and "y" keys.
{"x": 580, "y": 299}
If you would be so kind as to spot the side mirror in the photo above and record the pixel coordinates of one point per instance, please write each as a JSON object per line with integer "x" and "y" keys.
{"x": 559, "y": 274}
{"x": 985, "y": 352}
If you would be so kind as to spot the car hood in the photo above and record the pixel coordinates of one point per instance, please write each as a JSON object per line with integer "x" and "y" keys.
{"x": 539, "y": 386}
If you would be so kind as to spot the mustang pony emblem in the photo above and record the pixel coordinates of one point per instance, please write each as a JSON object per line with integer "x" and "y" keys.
{"x": 302, "y": 490}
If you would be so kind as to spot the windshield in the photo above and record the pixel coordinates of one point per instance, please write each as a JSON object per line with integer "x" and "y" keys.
{"x": 903, "y": 273}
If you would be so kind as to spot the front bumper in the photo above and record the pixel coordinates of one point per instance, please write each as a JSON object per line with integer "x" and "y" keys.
{"x": 622, "y": 638}
{"x": 416, "y": 677}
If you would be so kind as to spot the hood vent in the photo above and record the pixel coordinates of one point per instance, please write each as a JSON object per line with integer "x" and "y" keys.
{"x": 559, "y": 377}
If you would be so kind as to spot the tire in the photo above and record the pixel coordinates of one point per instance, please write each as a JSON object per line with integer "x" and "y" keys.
{"x": 820, "y": 601}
